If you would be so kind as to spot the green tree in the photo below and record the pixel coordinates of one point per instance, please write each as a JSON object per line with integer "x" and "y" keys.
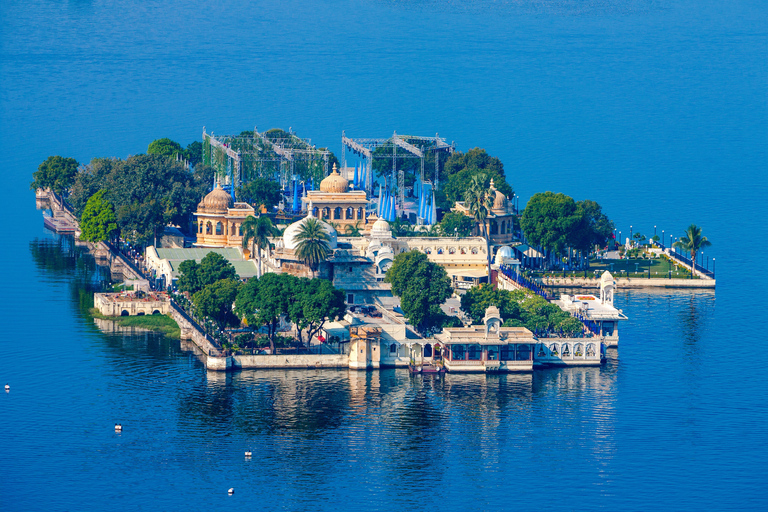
{"x": 594, "y": 228}
{"x": 478, "y": 298}
{"x": 260, "y": 192}
{"x": 98, "y": 222}
{"x": 475, "y": 158}
{"x": 165, "y": 147}
{"x": 316, "y": 302}
{"x": 56, "y": 173}
{"x": 353, "y": 230}
{"x": 313, "y": 245}
{"x": 459, "y": 171}
{"x": 692, "y": 242}
{"x": 215, "y": 301}
{"x": 258, "y": 231}
{"x": 148, "y": 192}
{"x": 456, "y": 223}
{"x": 402, "y": 227}
{"x": 479, "y": 200}
{"x": 194, "y": 153}
{"x": 549, "y": 221}
{"x": 422, "y": 287}
{"x": 194, "y": 276}
{"x": 263, "y": 301}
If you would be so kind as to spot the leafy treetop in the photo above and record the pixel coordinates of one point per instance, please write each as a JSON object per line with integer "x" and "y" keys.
{"x": 215, "y": 301}
{"x": 194, "y": 276}
{"x": 99, "y": 221}
{"x": 57, "y": 173}
{"x": 456, "y": 223}
{"x": 165, "y": 147}
{"x": 422, "y": 287}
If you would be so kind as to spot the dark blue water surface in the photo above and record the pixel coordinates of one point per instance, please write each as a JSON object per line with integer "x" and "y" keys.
{"x": 656, "y": 109}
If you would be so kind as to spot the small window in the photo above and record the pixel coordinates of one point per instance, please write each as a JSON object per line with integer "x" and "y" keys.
{"x": 393, "y": 348}
{"x": 350, "y": 298}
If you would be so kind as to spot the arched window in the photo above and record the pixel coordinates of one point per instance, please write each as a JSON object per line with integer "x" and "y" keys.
{"x": 439, "y": 250}
{"x": 463, "y": 251}
{"x": 427, "y": 350}
{"x": 494, "y": 228}
{"x": 566, "y": 350}
{"x": 314, "y": 212}
{"x": 452, "y": 250}
{"x": 393, "y": 348}
{"x": 326, "y": 212}
{"x": 350, "y": 213}
{"x": 578, "y": 350}
{"x": 474, "y": 250}
{"x": 360, "y": 213}
{"x": 232, "y": 229}
{"x": 337, "y": 213}
{"x": 218, "y": 228}
{"x": 554, "y": 350}
{"x": 590, "y": 350}
{"x": 542, "y": 352}
{"x": 208, "y": 228}
{"x": 427, "y": 251}
{"x": 240, "y": 230}
{"x": 200, "y": 228}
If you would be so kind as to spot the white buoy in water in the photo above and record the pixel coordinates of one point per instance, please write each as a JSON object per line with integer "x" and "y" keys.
{"x": 248, "y": 454}
{"x": 7, "y": 388}
{"x": 231, "y": 491}
{"x": 118, "y": 427}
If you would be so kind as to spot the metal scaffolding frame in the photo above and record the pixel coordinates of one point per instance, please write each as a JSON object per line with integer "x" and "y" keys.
{"x": 365, "y": 147}
{"x": 219, "y": 153}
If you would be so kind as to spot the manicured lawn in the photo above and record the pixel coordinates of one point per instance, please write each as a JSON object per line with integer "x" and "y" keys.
{"x": 159, "y": 323}
{"x": 660, "y": 268}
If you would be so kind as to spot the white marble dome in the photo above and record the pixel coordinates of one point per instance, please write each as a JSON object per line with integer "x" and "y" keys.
{"x": 381, "y": 229}
{"x": 502, "y": 253}
{"x": 289, "y": 236}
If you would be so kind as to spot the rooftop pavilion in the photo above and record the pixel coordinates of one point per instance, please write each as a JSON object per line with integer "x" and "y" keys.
{"x": 488, "y": 347}
{"x": 598, "y": 313}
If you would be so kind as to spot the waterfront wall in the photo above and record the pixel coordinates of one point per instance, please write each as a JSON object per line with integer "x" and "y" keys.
{"x": 305, "y": 361}
{"x": 625, "y": 282}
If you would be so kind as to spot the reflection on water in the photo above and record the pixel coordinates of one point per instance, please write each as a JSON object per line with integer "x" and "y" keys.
{"x": 388, "y": 438}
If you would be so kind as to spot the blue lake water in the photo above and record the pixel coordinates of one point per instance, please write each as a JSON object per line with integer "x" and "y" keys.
{"x": 657, "y": 110}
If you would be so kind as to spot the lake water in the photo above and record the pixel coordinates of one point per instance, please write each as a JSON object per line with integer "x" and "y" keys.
{"x": 657, "y": 110}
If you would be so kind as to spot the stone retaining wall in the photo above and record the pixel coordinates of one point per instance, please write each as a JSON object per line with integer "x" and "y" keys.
{"x": 626, "y": 282}
{"x": 306, "y": 361}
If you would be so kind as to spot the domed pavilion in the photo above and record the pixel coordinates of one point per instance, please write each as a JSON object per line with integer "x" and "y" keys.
{"x": 335, "y": 203}
{"x": 219, "y": 220}
{"x": 501, "y": 218}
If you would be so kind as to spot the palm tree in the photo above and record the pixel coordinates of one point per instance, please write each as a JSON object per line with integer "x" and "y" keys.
{"x": 692, "y": 241}
{"x": 257, "y": 231}
{"x": 478, "y": 199}
{"x": 353, "y": 230}
{"x": 313, "y": 244}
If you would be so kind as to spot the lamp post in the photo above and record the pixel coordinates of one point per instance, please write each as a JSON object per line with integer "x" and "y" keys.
{"x": 662, "y": 236}
{"x": 713, "y": 266}
{"x": 670, "y": 241}
{"x": 630, "y": 235}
